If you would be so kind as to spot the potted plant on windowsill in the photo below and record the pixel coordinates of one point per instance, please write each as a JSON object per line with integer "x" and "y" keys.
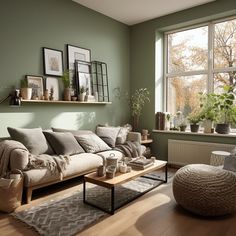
{"x": 208, "y": 112}
{"x": 226, "y": 110}
{"x": 194, "y": 120}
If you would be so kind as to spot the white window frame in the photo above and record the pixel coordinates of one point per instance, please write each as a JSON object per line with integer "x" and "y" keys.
{"x": 210, "y": 70}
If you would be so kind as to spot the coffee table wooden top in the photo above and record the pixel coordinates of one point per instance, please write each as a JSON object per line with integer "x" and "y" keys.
{"x": 122, "y": 177}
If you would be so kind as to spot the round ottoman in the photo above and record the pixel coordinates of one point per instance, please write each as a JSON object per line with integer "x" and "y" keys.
{"x": 205, "y": 190}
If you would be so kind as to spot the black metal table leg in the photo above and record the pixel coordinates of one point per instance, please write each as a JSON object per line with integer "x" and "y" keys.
{"x": 84, "y": 190}
{"x": 112, "y": 200}
{"x": 166, "y": 171}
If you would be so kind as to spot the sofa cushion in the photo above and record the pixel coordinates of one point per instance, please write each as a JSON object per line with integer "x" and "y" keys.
{"x": 63, "y": 143}
{"x": 92, "y": 143}
{"x": 108, "y": 134}
{"x": 122, "y": 135}
{"x": 33, "y": 139}
{"x": 74, "y": 132}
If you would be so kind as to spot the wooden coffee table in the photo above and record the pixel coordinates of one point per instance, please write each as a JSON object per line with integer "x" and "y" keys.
{"x": 120, "y": 179}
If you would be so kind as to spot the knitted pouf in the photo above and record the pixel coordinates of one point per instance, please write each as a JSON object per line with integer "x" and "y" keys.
{"x": 205, "y": 190}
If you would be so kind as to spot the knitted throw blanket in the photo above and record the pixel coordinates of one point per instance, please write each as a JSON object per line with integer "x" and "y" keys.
{"x": 6, "y": 149}
{"x": 129, "y": 149}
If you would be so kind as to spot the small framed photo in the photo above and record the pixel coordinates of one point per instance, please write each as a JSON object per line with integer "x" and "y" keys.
{"x": 36, "y": 83}
{"x": 77, "y": 53}
{"x": 52, "y": 85}
{"x": 53, "y": 62}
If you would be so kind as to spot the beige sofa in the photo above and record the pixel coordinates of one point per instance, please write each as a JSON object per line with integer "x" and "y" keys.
{"x": 79, "y": 164}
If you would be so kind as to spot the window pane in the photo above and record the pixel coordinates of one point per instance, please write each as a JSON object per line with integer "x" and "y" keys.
{"x": 183, "y": 93}
{"x": 225, "y": 44}
{"x": 221, "y": 79}
{"x": 187, "y": 50}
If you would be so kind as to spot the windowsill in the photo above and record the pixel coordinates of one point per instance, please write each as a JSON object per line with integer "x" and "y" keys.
{"x": 200, "y": 133}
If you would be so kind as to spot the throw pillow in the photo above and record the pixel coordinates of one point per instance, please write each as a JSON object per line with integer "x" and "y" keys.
{"x": 108, "y": 134}
{"x": 63, "y": 143}
{"x": 33, "y": 139}
{"x": 92, "y": 143}
{"x": 74, "y": 132}
{"x": 230, "y": 163}
{"x": 122, "y": 135}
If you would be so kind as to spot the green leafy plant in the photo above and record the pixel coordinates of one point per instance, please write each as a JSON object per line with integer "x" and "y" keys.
{"x": 138, "y": 100}
{"x": 24, "y": 83}
{"x": 224, "y": 106}
{"x": 194, "y": 117}
{"x": 66, "y": 79}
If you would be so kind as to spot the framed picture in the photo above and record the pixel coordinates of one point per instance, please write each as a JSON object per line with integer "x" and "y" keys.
{"x": 77, "y": 53}
{"x": 53, "y": 62}
{"x": 36, "y": 83}
{"x": 52, "y": 83}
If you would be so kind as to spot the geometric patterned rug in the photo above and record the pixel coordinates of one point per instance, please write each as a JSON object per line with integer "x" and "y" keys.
{"x": 69, "y": 215}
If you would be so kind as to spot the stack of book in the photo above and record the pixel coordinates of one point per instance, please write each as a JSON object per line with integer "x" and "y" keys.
{"x": 140, "y": 164}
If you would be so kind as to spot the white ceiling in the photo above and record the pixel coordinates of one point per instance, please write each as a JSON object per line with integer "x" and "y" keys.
{"x": 131, "y": 12}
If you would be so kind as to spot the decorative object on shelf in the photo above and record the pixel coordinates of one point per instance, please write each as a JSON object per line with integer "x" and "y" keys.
{"x": 100, "y": 88}
{"x": 144, "y": 134}
{"x": 66, "y": 82}
{"x": 46, "y": 94}
{"x": 25, "y": 90}
{"x": 53, "y": 62}
{"x": 83, "y": 77}
{"x": 14, "y": 98}
{"x": 51, "y": 94}
{"x": 36, "y": 83}
{"x": 160, "y": 120}
{"x": 137, "y": 102}
{"x": 52, "y": 82}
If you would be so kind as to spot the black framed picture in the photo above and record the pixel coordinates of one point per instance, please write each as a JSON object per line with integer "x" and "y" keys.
{"x": 53, "y": 62}
{"x": 77, "y": 53}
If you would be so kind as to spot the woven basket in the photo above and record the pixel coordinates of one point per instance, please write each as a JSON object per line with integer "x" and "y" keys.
{"x": 11, "y": 196}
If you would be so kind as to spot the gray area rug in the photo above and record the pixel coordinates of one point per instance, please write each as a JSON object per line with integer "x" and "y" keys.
{"x": 69, "y": 215}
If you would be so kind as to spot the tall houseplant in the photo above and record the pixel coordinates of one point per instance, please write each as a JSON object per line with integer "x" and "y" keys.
{"x": 137, "y": 102}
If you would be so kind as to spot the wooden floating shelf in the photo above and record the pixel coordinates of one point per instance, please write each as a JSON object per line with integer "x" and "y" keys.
{"x": 63, "y": 102}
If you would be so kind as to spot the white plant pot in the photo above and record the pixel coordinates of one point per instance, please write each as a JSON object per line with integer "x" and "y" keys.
{"x": 82, "y": 97}
{"x": 207, "y": 126}
{"x": 26, "y": 93}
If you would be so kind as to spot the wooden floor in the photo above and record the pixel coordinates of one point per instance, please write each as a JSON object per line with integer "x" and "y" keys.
{"x": 153, "y": 214}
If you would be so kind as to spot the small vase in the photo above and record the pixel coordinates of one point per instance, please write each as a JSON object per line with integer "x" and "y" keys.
{"x": 26, "y": 93}
{"x": 207, "y": 126}
{"x": 67, "y": 94}
{"x": 123, "y": 168}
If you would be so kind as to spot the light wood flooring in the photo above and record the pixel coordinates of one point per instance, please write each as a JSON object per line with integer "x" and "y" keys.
{"x": 153, "y": 214}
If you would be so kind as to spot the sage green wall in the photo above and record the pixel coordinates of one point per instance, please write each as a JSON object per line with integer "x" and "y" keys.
{"x": 142, "y": 54}
{"x": 27, "y": 26}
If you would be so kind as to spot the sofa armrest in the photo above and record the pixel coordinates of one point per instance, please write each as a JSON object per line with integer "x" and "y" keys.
{"x": 134, "y": 137}
{"x": 19, "y": 159}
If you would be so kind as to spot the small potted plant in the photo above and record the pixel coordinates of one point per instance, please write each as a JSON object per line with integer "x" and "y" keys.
{"x": 66, "y": 81}
{"x": 25, "y": 91}
{"x": 194, "y": 120}
{"x": 82, "y": 93}
{"x": 183, "y": 125}
{"x": 226, "y": 110}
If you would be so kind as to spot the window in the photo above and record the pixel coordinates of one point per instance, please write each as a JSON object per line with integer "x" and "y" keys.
{"x": 200, "y": 59}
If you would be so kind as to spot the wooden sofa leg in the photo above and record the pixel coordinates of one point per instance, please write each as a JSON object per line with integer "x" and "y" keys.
{"x": 29, "y": 195}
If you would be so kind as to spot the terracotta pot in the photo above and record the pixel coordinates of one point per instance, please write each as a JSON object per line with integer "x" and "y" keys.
{"x": 67, "y": 94}
{"x": 222, "y": 128}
